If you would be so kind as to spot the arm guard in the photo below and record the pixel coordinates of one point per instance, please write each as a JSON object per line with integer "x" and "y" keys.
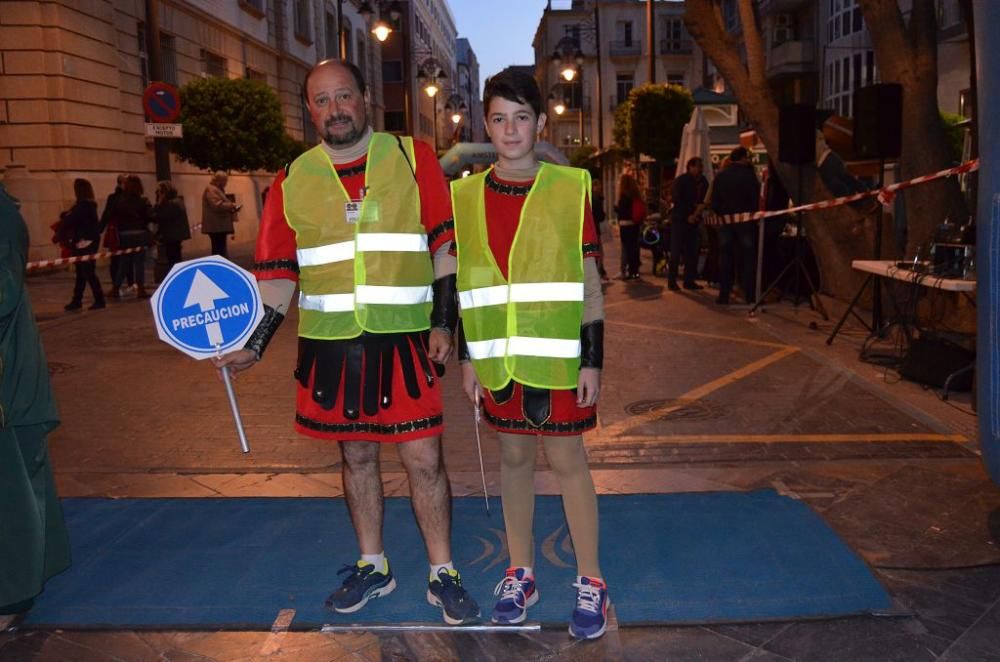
{"x": 265, "y": 331}
{"x": 444, "y": 314}
{"x": 592, "y": 345}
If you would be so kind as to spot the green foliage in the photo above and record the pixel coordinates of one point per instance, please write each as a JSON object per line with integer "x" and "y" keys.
{"x": 659, "y": 113}
{"x": 580, "y": 158}
{"x": 954, "y": 133}
{"x": 233, "y": 125}
{"x": 621, "y": 131}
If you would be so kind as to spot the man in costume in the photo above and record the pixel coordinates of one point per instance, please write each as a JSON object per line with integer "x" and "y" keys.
{"x": 362, "y": 224}
{"x": 34, "y": 544}
{"x": 532, "y": 335}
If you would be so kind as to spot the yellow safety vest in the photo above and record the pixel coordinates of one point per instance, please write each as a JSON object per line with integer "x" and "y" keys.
{"x": 371, "y": 275}
{"x": 527, "y": 327}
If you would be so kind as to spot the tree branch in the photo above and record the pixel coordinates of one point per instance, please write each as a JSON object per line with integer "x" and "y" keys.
{"x": 753, "y": 43}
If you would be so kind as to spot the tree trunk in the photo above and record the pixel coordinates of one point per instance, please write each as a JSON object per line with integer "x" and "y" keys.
{"x": 836, "y": 236}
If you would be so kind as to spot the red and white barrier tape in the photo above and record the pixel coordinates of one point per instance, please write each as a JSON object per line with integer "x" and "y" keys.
{"x": 42, "y": 264}
{"x": 885, "y": 195}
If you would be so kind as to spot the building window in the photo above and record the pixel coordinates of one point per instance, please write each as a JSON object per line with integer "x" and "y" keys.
{"x": 573, "y": 95}
{"x": 309, "y": 135}
{"x": 395, "y": 121}
{"x": 675, "y": 37}
{"x": 623, "y": 32}
{"x": 168, "y": 58}
{"x": 143, "y": 55}
{"x": 623, "y": 85}
{"x": 730, "y": 17}
{"x": 213, "y": 65}
{"x": 675, "y": 79}
{"x": 392, "y": 71}
{"x": 844, "y": 76}
{"x": 845, "y": 19}
{"x": 302, "y": 23}
{"x": 259, "y": 76}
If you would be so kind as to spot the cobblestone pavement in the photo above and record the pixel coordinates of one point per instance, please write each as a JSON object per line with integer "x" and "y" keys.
{"x": 696, "y": 398}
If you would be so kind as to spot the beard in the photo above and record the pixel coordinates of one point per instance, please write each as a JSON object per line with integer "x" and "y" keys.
{"x": 352, "y": 136}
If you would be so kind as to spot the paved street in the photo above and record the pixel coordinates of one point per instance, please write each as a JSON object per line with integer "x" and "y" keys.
{"x": 696, "y": 398}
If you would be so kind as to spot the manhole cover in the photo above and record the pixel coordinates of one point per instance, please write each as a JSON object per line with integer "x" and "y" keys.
{"x": 676, "y": 410}
{"x": 57, "y": 367}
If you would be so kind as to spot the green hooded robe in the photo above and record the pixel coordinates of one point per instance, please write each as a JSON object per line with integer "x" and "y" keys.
{"x": 34, "y": 544}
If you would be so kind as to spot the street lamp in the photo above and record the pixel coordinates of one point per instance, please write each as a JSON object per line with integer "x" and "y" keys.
{"x": 381, "y": 28}
{"x": 568, "y": 51}
{"x": 457, "y": 107}
{"x": 430, "y": 76}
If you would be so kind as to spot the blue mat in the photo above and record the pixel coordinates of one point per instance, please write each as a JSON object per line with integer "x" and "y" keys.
{"x": 670, "y": 558}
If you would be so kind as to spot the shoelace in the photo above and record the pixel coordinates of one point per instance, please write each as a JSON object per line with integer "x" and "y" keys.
{"x": 358, "y": 574}
{"x": 510, "y": 588}
{"x": 451, "y": 584}
{"x": 588, "y": 597}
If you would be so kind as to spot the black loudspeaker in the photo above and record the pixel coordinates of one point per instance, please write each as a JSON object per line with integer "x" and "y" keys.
{"x": 797, "y": 133}
{"x": 878, "y": 114}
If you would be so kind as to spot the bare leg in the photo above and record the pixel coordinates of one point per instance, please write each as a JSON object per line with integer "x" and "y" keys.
{"x": 517, "y": 490}
{"x": 363, "y": 489}
{"x": 568, "y": 460}
{"x": 430, "y": 494}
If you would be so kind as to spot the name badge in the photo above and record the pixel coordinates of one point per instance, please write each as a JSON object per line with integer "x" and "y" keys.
{"x": 352, "y": 211}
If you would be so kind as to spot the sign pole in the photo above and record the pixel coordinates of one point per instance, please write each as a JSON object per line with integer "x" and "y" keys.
{"x": 161, "y": 149}
{"x": 237, "y": 419}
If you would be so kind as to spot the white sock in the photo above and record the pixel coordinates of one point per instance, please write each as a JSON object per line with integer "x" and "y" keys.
{"x": 377, "y": 560}
{"x": 436, "y": 567}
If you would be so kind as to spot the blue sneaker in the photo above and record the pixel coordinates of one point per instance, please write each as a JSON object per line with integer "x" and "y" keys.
{"x": 362, "y": 584}
{"x": 590, "y": 618}
{"x": 516, "y": 593}
{"x": 447, "y": 592}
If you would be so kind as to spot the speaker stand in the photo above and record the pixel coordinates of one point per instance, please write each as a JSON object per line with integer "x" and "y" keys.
{"x": 877, "y": 321}
{"x": 797, "y": 266}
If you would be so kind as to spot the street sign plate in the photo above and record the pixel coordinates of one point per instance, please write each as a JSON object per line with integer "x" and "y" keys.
{"x": 161, "y": 102}
{"x": 164, "y": 130}
{"x": 207, "y": 307}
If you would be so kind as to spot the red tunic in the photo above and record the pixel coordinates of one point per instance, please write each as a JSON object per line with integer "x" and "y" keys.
{"x": 503, "y": 215}
{"x": 276, "y": 258}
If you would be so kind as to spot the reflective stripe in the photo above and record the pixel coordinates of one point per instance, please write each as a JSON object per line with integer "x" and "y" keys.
{"x": 403, "y": 242}
{"x": 487, "y": 349}
{"x": 312, "y": 257}
{"x": 532, "y": 292}
{"x": 524, "y": 346}
{"x": 521, "y": 293}
{"x": 483, "y": 296}
{"x": 395, "y": 295}
{"x": 327, "y": 303}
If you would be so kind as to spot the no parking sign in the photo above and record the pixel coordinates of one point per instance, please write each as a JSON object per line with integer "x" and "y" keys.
{"x": 206, "y": 308}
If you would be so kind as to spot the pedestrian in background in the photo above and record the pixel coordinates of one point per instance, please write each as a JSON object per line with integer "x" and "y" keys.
{"x": 171, "y": 222}
{"x": 34, "y": 544}
{"x": 109, "y": 229}
{"x": 217, "y": 213}
{"x": 133, "y": 215}
{"x": 83, "y": 234}
{"x": 736, "y": 190}
{"x": 688, "y": 193}
{"x": 597, "y": 206}
{"x": 630, "y": 211}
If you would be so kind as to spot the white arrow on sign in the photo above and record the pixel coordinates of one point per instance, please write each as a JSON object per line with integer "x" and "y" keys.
{"x": 204, "y": 294}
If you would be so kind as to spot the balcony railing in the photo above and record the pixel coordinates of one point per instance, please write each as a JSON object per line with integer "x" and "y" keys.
{"x": 676, "y": 46}
{"x": 631, "y": 48}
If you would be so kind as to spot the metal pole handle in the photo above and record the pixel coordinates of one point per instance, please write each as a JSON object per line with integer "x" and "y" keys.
{"x": 237, "y": 419}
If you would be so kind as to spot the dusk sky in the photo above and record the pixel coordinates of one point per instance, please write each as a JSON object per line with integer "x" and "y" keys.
{"x": 500, "y": 31}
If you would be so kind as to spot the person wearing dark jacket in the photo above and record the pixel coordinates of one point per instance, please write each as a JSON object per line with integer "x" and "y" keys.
{"x": 688, "y": 194}
{"x": 736, "y": 190}
{"x": 133, "y": 214}
{"x": 171, "y": 222}
{"x": 84, "y": 237}
{"x": 109, "y": 229}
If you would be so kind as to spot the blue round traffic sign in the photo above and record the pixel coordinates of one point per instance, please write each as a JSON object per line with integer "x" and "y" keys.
{"x": 161, "y": 102}
{"x": 207, "y": 307}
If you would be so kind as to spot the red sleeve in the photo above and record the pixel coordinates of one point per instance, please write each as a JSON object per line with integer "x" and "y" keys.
{"x": 591, "y": 242}
{"x": 435, "y": 197}
{"x": 275, "y": 254}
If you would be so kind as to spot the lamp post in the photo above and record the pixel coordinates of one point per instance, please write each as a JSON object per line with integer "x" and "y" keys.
{"x": 382, "y": 30}
{"x": 569, "y": 46}
{"x": 456, "y": 108}
{"x": 430, "y": 76}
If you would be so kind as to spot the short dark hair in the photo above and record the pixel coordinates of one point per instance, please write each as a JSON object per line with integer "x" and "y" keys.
{"x": 512, "y": 85}
{"x": 694, "y": 160}
{"x": 739, "y": 154}
{"x": 359, "y": 78}
{"x": 82, "y": 189}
